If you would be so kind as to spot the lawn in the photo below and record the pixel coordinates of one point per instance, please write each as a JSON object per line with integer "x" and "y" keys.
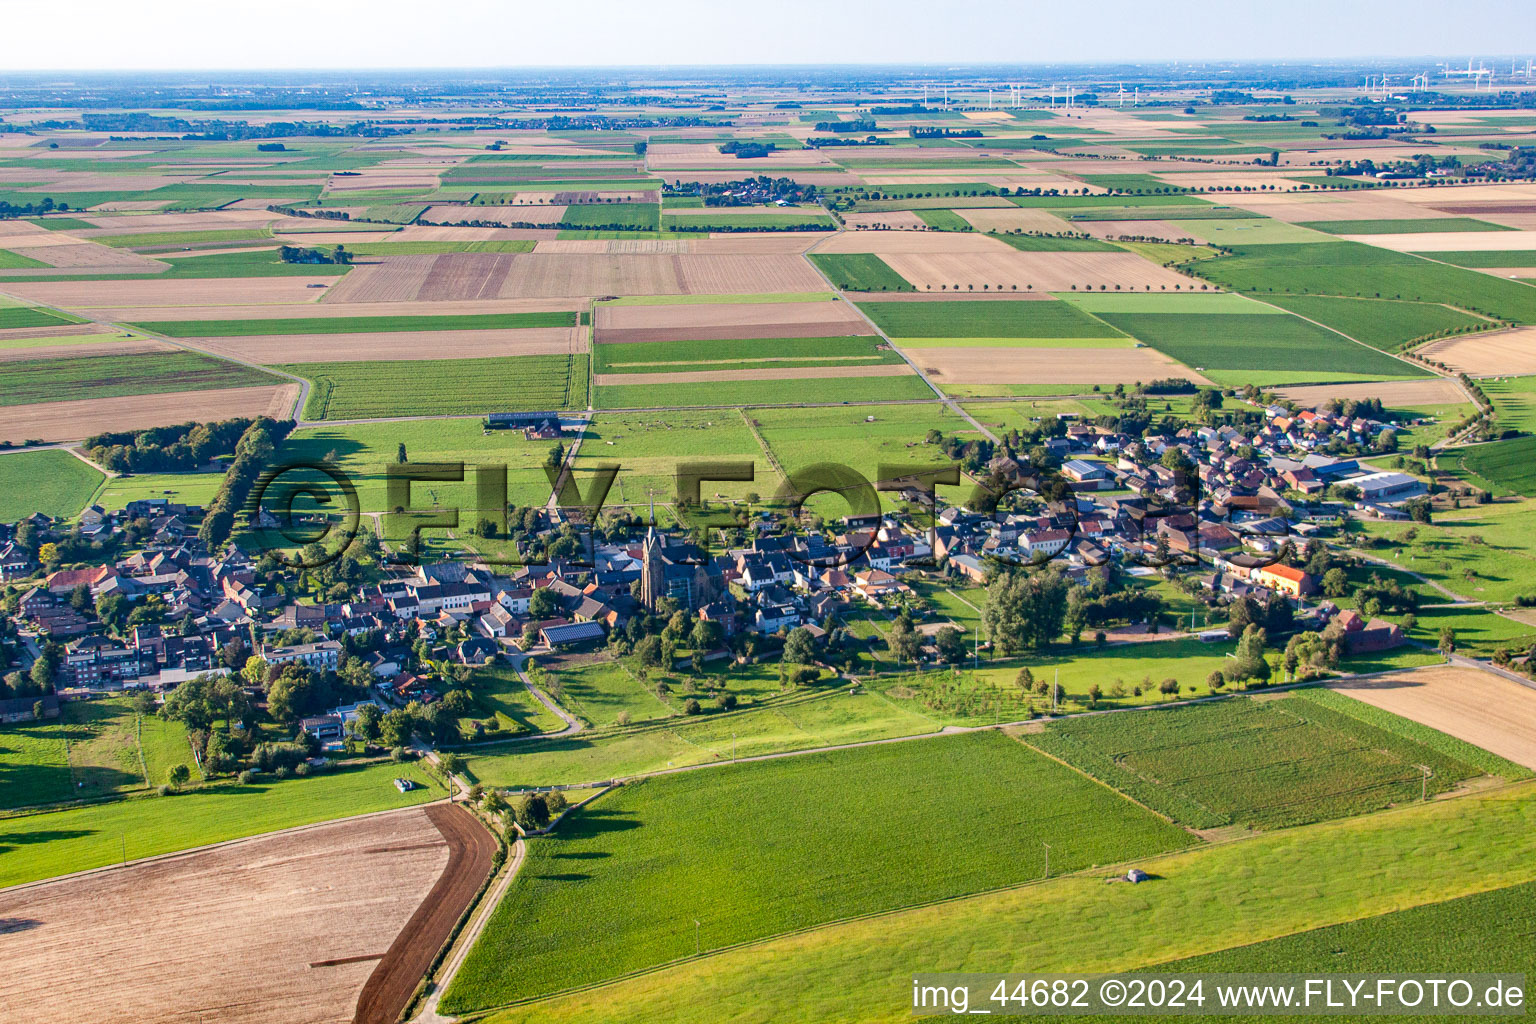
{"x": 354, "y": 324}
{"x": 1004, "y": 318}
{"x": 52, "y": 482}
{"x": 44, "y": 845}
{"x": 1202, "y": 900}
{"x": 500, "y": 692}
{"x": 1225, "y": 341}
{"x": 599, "y": 691}
{"x": 34, "y": 765}
{"x": 625, "y": 879}
{"x": 1380, "y": 323}
{"x": 25, "y": 381}
{"x": 428, "y": 387}
{"x": 1254, "y": 763}
{"x": 860, "y": 272}
{"x": 113, "y": 750}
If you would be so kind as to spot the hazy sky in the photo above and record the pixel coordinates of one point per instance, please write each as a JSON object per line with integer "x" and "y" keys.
{"x": 198, "y": 34}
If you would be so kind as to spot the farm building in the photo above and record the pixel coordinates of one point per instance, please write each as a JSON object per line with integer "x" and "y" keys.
{"x": 571, "y": 633}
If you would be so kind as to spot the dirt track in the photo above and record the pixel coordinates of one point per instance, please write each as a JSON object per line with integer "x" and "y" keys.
{"x": 470, "y": 850}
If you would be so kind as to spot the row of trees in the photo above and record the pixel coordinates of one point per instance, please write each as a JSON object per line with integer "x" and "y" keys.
{"x": 253, "y": 452}
{"x": 166, "y": 449}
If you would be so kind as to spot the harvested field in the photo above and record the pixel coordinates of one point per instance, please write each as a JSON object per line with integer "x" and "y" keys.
{"x": 721, "y": 320}
{"x": 470, "y": 853}
{"x": 896, "y": 220}
{"x": 467, "y": 276}
{"x": 1479, "y": 707}
{"x": 745, "y": 243}
{"x": 1487, "y": 355}
{"x": 831, "y": 178}
{"x": 211, "y": 220}
{"x": 212, "y": 291}
{"x": 251, "y": 927}
{"x": 88, "y": 254}
{"x": 1014, "y": 218}
{"x": 337, "y": 309}
{"x": 616, "y": 246}
{"x": 921, "y": 243}
{"x": 758, "y": 373}
{"x": 57, "y": 331}
{"x": 1393, "y": 394}
{"x": 340, "y": 348}
{"x": 1039, "y": 271}
{"x": 1450, "y": 241}
{"x": 1001, "y": 369}
{"x": 1297, "y": 207}
{"x": 70, "y": 421}
{"x": 1160, "y": 230}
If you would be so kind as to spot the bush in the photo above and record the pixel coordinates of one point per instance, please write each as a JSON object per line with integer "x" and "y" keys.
{"x": 397, "y": 755}
{"x": 301, "y": 769}
{"x": 692, "y": 707}
{"x": 283, "y": 772}
{"x": 164, "y": 790}
{"x": 557, "y": 803}
{"x": 247, "y": 777}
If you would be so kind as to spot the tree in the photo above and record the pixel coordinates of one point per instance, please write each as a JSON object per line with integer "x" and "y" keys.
{"x": 254, "y": 671}
{"x": 648, "y": 652}
{"x": 543, "y": 604}
{"x": 400, "y": 455}
{"x": 80, "y": 597}
{"x": 395, "y": 728}
{"x": 800, "y": 646}
{"x": 1447, "y": 643}
{"x": 1168, "y": 687}
{"x": 291, "y": 694}
{"x": 706, "y": 635}
{"x": 453, "y": 764}
{"x": 1025, "y": 609}
{"x": 366, "y": 724}
{"x": 1216, "y": 680}
{"x": 179, "y": 775}
{"x": 950, "y": 643}
{"x": 1248, "y": 661}
{"x": 1335, "y": 583}
{"x": 692, "y": 707}
{"x": 903, "y": 639}
{"x": 48, "y": 554}
{"x": 42, "y": 675}
{"x": 1025, "y": 680}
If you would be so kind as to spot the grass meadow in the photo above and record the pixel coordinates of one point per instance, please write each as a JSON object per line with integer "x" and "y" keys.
{"x": 625, "y": 878}
{"x": 52, "y": 482}
{"x": 1204, "y": 900}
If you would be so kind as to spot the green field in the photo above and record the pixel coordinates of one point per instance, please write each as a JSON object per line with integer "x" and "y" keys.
{"x": 752, "y": 219}
{"x": 1481, "y": 259}
{"x": 363, "y": 450}
{"x": 863, "y": 438}
{"x": 599, "y": 691}
{"x": 1204, "y": 900}
{"x": 944, "y": 220}
{"x": 16, "y": 261}
{"x": 29, "y": 316}
{"x": 762, "y": 392}
{"x": 1353, "y": 269}
{"x": 52, "y": 482}
{"x": 498, "y": 690}
{"x": 637, "y": 216}
{"x": 25, "y": 381}
{"x": 1380, "y": 323}
{"x": 1225, "y": 341}
{"x": 429, "y": 387}
{"x": 860, "y": 272}
{"x": 1514, "y": 398}
{"x": 43, "y": 845}
{"x": 253, "y": 263}
{"x": 985, "y": 319}
{"x": 1057, "y": 243}
{"x": 1257, "y": 764}
{"x": 1405, "y": 226}
{"x": 624, "y": 879}
{"x": 1509, "y": 466}
{"x": 354, "y": 324}
{"x": 740, "y": 354}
